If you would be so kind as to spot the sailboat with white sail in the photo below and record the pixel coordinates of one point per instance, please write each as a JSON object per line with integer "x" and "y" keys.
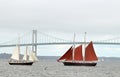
{"x": 27, "y": 59}
{"x": 15, "y": 58}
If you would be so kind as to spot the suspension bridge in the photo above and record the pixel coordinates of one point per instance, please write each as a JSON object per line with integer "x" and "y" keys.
{"x": 40, "y": 38}
{"x": 35, "y": 38}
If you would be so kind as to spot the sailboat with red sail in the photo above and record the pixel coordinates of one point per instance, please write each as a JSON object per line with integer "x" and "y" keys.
{"x": 74, "y": 56}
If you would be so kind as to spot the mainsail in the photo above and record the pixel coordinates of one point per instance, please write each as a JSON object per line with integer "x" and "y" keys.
{"x": 15, "y": 54}
{"x": 90, "y": 53}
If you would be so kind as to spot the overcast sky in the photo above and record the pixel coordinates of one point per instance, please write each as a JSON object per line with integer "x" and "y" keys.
{"x": 96, "y": 17}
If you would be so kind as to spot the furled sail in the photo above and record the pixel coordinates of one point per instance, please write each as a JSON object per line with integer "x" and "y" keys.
{"x": 78, "y": 53}
{"x": 90, "y": 53}
{"x": 67, "y": 56}
{"x": 15, "y": 54}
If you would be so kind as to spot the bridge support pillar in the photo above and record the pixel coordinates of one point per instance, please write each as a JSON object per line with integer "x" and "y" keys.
{"x": 34, "y": 41}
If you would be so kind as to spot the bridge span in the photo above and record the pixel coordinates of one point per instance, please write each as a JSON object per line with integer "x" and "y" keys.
{"x": 61, "y": 43}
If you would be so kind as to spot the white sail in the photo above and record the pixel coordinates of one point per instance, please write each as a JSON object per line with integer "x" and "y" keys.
{"x": 15, "y": 54}
{"x": 25, "y": 57}
{"x": 35, "y": 57}
{"x": 32, "y": 57}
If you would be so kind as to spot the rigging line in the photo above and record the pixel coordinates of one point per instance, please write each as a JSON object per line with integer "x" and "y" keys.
{"x": 52, "y": 36}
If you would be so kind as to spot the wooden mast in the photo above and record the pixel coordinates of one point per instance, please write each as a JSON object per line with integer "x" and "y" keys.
{"x": 73, "y": 52}
{"x": 26, "y": 53}
{"x": 84, "y": 46}
{"x": 18, "y": 48}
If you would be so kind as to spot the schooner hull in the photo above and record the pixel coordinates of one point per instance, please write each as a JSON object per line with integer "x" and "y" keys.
{"x": 79, "y": 64}
{"x": 27, "y": 63}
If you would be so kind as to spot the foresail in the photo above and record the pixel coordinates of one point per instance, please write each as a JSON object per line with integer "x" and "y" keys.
{"x": 90, "y": 53}
{"x": 67, "y": 55}
{"x": 15, "y": 54}
{"x": 33, "y": 57}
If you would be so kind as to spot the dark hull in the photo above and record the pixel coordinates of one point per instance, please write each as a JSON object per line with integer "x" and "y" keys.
{"x": 78, "y": 64}
{"x": 26, "y": 63}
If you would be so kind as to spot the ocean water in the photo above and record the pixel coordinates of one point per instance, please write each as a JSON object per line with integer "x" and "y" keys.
{"x": 54, "y": 58}
{"x": 49, "y": 67}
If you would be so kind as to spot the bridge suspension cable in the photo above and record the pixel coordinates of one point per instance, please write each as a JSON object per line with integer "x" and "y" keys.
{"x": 45, "y": 39}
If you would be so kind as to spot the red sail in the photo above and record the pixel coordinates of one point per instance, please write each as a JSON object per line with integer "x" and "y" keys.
{"x": 67, "y": 56}
{"x": 90, "y": 53}
{"x": 78, "y": 53}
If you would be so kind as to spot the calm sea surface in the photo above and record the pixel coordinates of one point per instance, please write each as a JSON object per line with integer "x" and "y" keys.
{"x": 49, "y": 67}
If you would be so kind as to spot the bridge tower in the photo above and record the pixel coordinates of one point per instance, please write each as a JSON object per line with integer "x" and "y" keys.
{"x": 34, "y": 41}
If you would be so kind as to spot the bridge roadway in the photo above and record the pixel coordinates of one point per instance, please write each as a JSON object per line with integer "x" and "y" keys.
{"x": 61, "y": 43}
